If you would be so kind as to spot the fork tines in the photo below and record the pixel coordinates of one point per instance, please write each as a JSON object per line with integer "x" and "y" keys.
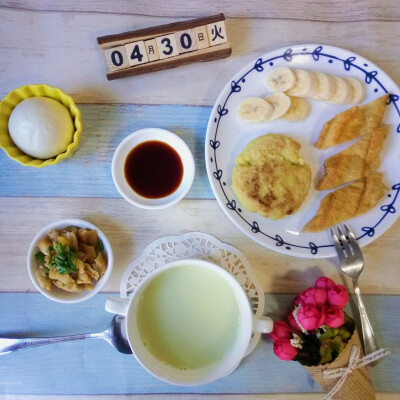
{"x": 345, "y": 242}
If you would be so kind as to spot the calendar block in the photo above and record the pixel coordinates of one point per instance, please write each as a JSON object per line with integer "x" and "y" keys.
{"x": 216, "y": 33}
{"x": 201, "y": 35}
{"x": 137, "y": 53}
{"x": 167, "y": 46}
{"x": 152, "y": 50}
{"x": 116, "y": 58}
{"x": 186, "y": 41}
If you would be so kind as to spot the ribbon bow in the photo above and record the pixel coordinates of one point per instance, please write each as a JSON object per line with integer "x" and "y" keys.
{"x": 354, "y": 363}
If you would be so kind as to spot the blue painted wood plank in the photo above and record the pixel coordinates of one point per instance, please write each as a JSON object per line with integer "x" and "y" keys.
{"x": 94, "y": 367}
{"x": 88, "y": 172}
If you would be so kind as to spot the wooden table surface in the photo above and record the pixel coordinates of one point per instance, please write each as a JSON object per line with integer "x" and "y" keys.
{"x": 54, "y": 42}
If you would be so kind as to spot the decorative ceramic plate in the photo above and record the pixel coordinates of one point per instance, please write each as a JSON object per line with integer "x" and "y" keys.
{"x": 227, "y": 135}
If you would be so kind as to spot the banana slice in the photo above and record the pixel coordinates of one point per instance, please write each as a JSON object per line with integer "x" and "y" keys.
{"x": 255, "y": 110}
{"x": 344, "y": 92}
{"x": 358, "y": 90}
{"x": 298, "y": 110}
{"x": 280, "y": 79}
{"x": 326, "y": 86}
{"x": 306, "y": 84}
{"x": 280, "y": 103}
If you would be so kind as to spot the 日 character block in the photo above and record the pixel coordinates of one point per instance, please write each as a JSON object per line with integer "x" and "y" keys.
{"x": 201, "y": 35}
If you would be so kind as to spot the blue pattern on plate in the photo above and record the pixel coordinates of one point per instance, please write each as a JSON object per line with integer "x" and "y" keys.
{"x": 316, "y": 54}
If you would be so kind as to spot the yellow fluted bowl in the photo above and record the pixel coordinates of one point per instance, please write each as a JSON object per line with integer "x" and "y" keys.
{"x": 8, "y": 104}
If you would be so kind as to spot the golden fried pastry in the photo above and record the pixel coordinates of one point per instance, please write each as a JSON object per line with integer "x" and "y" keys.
{"x": 347, "y": 202}
{"x": 355, "y": 162}
{"x": 352, "y": 123}
{"x": 270, "y": 177}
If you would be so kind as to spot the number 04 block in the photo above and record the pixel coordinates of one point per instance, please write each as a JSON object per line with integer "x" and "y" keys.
{"x": 166, "y": 46}
{"x": 137, "y": 53}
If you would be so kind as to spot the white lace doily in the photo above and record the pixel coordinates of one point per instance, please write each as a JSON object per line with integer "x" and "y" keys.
{"x": 196, "y": 245}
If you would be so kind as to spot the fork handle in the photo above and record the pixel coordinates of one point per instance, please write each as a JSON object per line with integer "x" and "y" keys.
{"x": 370, "y": 343}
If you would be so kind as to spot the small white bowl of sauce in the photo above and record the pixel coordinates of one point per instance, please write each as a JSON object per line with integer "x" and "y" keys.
{"x": 153, "y": 168}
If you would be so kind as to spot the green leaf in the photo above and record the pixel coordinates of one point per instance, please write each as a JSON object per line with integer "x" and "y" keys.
{"x": 39, "y": 256}
{"x": 100, "y": 245}
{"x": 349, "y": 324}
{"x": 330, "y": 349}
{"x": 51, "y": 248}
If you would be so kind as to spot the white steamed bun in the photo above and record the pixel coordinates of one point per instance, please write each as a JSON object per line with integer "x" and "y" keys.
{"x": 41, "y": 127}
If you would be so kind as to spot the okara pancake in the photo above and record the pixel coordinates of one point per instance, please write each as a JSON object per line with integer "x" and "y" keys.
{"x": 270, "y": 177}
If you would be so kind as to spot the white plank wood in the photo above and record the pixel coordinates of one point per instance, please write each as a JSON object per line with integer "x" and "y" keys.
{"x": 286, "y": 396}
{"x": 339, "y": 10}
{"x": 62, "y": 51}
{"x": 131, "y": 229}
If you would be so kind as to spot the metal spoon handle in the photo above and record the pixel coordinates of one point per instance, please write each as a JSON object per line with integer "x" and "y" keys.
{"x": 370, "y": 343}
{"x": 8, "y": 345}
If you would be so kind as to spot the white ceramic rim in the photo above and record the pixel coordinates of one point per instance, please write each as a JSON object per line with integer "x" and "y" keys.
{"x": 204, "y": 375}
{"x": 64, "y": 296}
{"x": 144, "y": 135}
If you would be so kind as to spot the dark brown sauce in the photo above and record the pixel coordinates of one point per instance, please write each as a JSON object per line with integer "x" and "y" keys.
{"x": 153, "y": 169}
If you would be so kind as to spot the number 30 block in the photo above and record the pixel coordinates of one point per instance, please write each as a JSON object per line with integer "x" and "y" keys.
{"x": 167, "y": 46}
{"x": 136, "y": 53}
{"x": 186, "y": 41}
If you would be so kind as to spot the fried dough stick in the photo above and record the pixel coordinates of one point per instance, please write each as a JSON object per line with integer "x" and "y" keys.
{"x": 352, "y": 123}
{"x": 347, "y": 202}
{"x": 355, "y": 162}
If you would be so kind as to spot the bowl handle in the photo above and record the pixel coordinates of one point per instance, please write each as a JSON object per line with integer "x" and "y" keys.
{"x": 263, "y": 324}
{"x": 116, "y": 305}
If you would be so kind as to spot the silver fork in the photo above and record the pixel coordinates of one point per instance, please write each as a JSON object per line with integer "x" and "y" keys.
{"x": 352, "y": 264}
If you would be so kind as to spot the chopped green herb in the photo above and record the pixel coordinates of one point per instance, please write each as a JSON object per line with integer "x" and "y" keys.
{"x": 39, "y": 256}
{"x": 51, "y": 248}
{"x": 63, "y": 259}
{"x": 46, "y": 270}
{"x": 100, "y": 245}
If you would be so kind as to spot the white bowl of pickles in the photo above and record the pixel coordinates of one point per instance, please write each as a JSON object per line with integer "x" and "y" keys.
{"x": 70, "y": 260}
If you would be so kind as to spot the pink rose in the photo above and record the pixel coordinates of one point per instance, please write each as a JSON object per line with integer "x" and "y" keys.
{"x": 292, "y": 322}
{"x": 298, "y": 299}
{"x": 337, "y": 296}
{"x": 334, "y": 317}
{"x": 281, "y": 330}
{"x": 284, "y": 350}
{"x": 324, "y": 283}
{"x": 314, "y": 296}
{"x": 310, "y": 317}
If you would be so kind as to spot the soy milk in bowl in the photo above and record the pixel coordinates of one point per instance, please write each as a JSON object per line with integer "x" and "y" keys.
{"x": 188, "y": 317}
{"x": 189, "y": 322}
